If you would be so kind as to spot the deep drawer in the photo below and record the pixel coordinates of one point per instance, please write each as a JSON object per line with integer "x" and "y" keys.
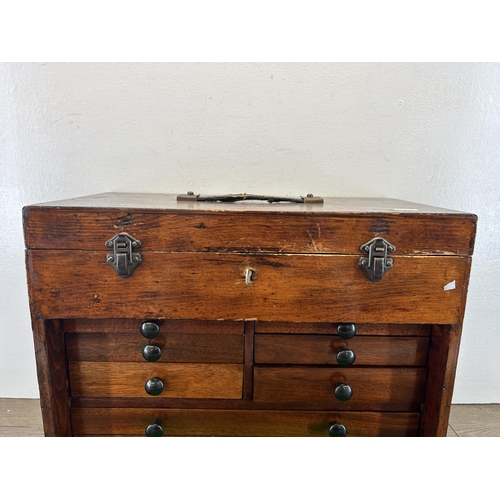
{"x": 394, "y": 389}
{"x": 284, "y": 287}
{"x": 177, "y": 422}
{"x": 324, "y": 349}
{"x": 181, "y": 380}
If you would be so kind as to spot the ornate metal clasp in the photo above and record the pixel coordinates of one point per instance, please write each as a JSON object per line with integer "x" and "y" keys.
{"x": 123, "y": 259}
{"x": 376, "y": 263}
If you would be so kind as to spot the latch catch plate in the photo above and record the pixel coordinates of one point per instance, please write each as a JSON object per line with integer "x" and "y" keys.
{"x": 376, "y": 263}
{"x": 123, "y": 259}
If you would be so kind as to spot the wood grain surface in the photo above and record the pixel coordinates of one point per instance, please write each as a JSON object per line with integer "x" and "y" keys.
{"x": 323, "y": 349}
{"x": 133, "y": 421}
{"x": 236, "y": 231}
{"x": 307, "y": 288}
{"x": 270, "y": 369}
{"x": 52, "y": 375}
{"x": 175, "y": 347}
{"x": 443, "y": 357}
{"x": 181, "y": 380}
{"x": 22, "y": 417}
{"x": 168, "y": 202}
{"x": 395, "y": 389}
{"x": 324, "y": 328}
{"x": 181, "y": 327}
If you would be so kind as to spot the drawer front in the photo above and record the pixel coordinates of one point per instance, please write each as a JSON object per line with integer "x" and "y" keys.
{"x": 394, "y": 389}
{"x": 327, "y": 349}
{"x": 284, "y": 287}
{"x": 180, "y": 380}
{"x": 175, "y": 348}
{"x": 178, "y": 341}
{"x": 178, "y": 422}
{"x": 184, "y": 327}
{"x": 362, "y": 329}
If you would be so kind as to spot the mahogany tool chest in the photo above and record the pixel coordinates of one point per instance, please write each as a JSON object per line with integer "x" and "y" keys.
{"x": 242, "y": 315}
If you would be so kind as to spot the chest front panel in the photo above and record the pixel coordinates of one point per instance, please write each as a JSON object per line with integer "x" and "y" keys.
{"x": 259, "y": 320}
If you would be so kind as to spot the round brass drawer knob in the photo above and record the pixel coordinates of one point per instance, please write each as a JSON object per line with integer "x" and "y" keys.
{"x": 154, "y": 429}
{"x": 343, "y": 392}
{"x": 150, "y": 330}
{"x": 337, "y": 429}
{"x": 154, "y": 386}
{"x": 346, "y": 330}
{"x": 151, "y": 352}
{"x": 346, "y": 357}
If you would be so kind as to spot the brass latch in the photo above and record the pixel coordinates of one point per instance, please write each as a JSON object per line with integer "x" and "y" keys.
{"x": 376, "y": 264}
{"x": 123, "y": 259}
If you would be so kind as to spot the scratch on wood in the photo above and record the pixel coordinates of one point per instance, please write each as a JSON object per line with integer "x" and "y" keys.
{"x": 312, "y": 241}
{"x": 124, "y": 221}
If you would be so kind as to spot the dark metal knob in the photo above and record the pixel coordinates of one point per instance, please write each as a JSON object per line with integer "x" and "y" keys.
{"x": 343, "y": 392}
{"x": 154, "y": 386}
{"x": 150, "y": 330}
{"x": 151, "y": 352}
{"x": 337, "y": 429}
{"x": 346, "y": 330}
{"x": 345, "y": 357}
{"x": 154, "y": 429}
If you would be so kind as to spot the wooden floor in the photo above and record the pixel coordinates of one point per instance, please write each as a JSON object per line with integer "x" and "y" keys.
{"x": 22, "y": 417}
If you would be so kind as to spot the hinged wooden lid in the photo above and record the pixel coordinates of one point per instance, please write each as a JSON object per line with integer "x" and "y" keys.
{"x": 161, "y": 223}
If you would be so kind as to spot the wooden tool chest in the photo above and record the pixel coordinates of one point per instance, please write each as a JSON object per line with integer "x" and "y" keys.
{"x": 161, "y": 315}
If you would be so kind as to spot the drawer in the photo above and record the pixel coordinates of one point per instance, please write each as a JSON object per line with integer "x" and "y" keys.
{"x": 175, "y": 348}
{"x": 179, "y": 341}
{"x": 327, "y": 349}
{"x": 284, "y": 287}
{"x": 180, "y": 380}
{"x": 394, "y": 389}
{"x": 84, "y": 325}
{"x": 197, "y": 422}
{"x": 413, "y": 330}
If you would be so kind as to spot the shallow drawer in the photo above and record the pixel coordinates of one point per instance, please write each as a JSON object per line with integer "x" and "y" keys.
{"x": 134, "y": 421}
{"x": 179, "y": 341}
{"x": 186, "y": 327}
{"x": 332, "y": 328}
{"x": 395, "y": 389}
{"x": 180, "y": 380}
{"x": 284, "y": 287}
{"x": 328, "y": 349}
{"x": 175, "y": 348}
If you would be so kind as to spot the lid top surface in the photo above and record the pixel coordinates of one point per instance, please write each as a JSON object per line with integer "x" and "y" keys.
{"x": 168, "y": 202}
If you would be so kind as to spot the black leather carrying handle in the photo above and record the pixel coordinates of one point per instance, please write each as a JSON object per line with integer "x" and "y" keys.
{"x": 231, "y": 198}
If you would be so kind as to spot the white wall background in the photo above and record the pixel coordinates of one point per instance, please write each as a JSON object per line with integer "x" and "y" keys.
{"x": 424, "y": 132}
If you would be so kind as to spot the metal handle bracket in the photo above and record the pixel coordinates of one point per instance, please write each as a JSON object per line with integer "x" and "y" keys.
{"x": 231, "y": 198}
